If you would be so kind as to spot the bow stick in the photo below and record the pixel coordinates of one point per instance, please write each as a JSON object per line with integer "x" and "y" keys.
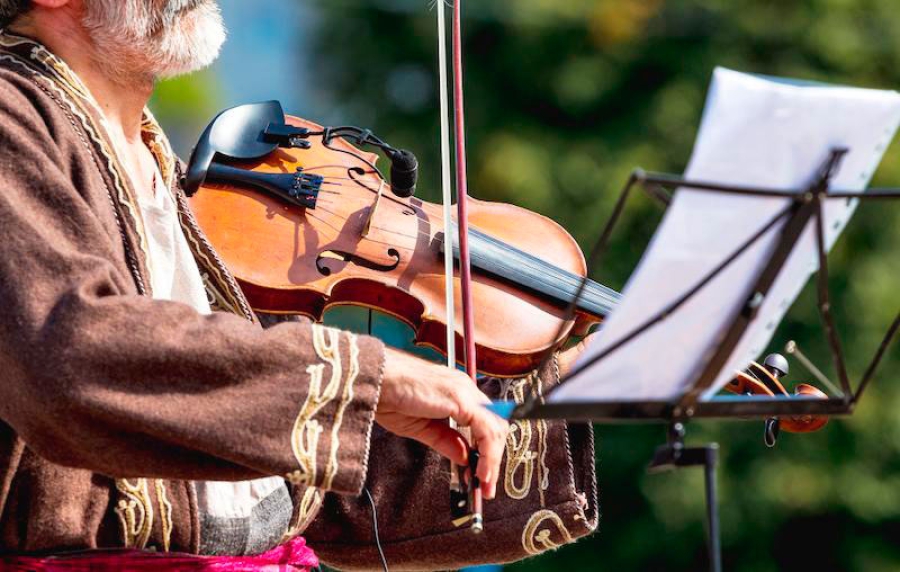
{"x": 446, "y": 202}
{"x": 465, "y": 268}
{"x": 475, "y": 497}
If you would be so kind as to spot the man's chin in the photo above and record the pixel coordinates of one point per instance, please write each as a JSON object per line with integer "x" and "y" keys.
{"x": 128, "y": 51}
{"x": 195, "y": 46}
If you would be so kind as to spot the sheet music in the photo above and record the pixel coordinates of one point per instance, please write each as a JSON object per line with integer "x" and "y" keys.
{"x": 759, "y": 132}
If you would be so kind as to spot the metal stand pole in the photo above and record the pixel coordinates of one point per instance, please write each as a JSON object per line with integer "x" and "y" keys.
{"x": 712, "y": 507}
{"x": 674, "y": 455}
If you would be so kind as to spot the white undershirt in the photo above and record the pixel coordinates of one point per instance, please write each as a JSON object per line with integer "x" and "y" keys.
{"x": 174, "y": 276}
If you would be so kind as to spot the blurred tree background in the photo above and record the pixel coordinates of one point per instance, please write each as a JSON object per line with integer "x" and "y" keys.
{"x": 564, "y": 99}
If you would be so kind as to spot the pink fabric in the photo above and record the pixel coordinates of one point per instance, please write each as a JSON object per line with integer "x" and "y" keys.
{"x": 294, "y": 556}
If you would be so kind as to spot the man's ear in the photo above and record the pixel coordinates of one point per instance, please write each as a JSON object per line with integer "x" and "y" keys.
{"x": 50, "y": 3}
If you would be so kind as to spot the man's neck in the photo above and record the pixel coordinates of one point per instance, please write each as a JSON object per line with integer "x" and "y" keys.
{"x": 121, "y": 99}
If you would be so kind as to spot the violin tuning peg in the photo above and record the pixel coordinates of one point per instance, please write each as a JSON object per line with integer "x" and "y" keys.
{"x": 777, "y": 365}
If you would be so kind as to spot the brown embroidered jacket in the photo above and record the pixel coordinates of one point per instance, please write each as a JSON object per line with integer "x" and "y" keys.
{"x": 112, "y": 403}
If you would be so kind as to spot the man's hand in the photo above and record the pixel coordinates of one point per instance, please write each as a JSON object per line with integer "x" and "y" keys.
{"x": 568, "y": 357}
{"x": 416, "y": 399}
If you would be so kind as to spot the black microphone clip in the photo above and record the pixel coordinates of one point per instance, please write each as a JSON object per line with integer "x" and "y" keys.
{"x": 404, "y": 172}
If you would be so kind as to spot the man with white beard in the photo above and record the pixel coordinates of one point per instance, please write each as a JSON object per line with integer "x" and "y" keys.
{"x": 142, "y": 406}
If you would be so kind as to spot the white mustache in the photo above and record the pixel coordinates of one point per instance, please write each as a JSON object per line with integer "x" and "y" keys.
{"x": 183, "y": 5}
{"x": 176, "y": 8}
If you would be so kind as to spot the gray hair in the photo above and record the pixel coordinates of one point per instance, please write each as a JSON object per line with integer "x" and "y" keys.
{"x": 11, "y": 9}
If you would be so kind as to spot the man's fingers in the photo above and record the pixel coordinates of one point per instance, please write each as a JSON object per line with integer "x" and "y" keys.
{"x": 470, "y": 403}
{"x": 567, "y": 358}
{"x": 410, "y": 406}
{"x": 446, "y": 441}
{"x": 489, "y": 433}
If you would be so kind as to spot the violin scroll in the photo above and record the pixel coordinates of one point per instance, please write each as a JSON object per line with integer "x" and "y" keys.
{"x": 765, "y": 380}
{"x": 806, "y": 423}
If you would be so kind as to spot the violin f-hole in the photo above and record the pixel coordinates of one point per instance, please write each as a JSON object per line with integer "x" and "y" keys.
{"x": 355, "y": 259}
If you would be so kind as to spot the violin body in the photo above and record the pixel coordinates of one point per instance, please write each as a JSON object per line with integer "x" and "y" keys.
{"x": 361, "y": 245}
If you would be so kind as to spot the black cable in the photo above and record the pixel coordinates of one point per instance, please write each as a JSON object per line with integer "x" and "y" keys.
{"x": 359, "y": 135}
{"x": 327, "y": 144}
{"x": 404, "y": 165}
{"x": 384, "y": 564}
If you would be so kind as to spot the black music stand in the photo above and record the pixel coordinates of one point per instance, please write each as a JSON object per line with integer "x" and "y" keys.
{"x": 805, "y": 205}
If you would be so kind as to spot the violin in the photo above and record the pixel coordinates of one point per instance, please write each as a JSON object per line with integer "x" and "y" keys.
{"x": 306, "y": 221}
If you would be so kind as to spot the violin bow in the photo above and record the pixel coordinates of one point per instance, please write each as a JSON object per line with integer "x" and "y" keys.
{"x": 446, "y": 203}
{"x": 475, "y": 518}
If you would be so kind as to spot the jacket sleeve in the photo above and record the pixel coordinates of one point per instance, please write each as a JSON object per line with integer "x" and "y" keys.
{"x": 98, "y": 377}
{"x": 546, "y": 498}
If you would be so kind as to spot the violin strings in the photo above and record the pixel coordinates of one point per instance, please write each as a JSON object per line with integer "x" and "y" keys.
{"x": 533, "y": 266}
{"x": 425, "y": 207}
{"x": 511, "y": 267}
{"x": 317, "y": 167}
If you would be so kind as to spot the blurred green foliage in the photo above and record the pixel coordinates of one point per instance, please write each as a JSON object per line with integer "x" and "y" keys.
{"x": 564, "y": 99}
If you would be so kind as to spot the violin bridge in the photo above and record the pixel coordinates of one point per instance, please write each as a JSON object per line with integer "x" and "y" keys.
{"x": 368, "y": 226}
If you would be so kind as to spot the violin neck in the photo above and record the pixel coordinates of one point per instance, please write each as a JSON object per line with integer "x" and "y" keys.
{"x": 497, "y": 259}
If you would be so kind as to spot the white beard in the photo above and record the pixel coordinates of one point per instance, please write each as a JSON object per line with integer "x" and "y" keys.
{"x": 154, "y": 38}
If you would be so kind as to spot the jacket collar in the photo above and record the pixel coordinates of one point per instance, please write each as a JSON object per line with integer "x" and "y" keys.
{"x": 67, "y": 89}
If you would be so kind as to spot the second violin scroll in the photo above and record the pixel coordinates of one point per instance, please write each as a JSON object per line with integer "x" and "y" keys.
{"x": 764, "y": 380}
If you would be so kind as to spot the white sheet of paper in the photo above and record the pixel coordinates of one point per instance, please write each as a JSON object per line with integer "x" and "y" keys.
{"x": 757, "y": 132}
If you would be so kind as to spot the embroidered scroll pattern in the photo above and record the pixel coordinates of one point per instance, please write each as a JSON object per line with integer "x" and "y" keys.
{"x": 537, "y": 536}
{"x": 352, "y": 373}
{"x": 307, "y": 430}
{"x": 214, "y": 294}
{"x": 545, "y": 530}
{"x": 159, "y": 145}
{"x": 519, "y": 455}
{"x": 165, "y": 514}
{"x": 135, "y": 512}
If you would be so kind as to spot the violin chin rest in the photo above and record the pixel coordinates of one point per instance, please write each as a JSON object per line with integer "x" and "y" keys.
{"x": 805, "y": 423}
